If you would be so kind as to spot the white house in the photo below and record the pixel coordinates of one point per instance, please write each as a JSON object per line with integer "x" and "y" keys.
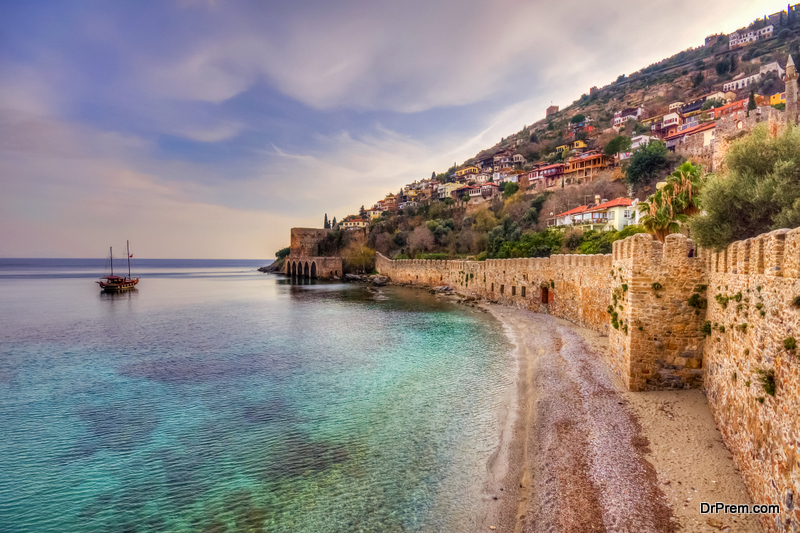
{"x": 639, "y": 141}
{"x": 736, "y": 39}
{"x": 630, "y": 113}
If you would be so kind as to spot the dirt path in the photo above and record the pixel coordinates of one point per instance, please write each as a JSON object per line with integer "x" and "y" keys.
{"x": 581, "y": 454}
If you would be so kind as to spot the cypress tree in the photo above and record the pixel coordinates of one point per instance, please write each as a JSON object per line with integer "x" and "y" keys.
{"x": 333, "y": 224}
{"x": 327, "y": 224}
{"x": 751, "y": 104}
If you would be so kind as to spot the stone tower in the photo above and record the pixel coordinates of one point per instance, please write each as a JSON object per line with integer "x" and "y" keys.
{"x": 791, "y": 91}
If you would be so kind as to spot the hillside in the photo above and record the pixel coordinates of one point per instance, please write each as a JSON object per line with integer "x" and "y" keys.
{"x": 451, "y": 214}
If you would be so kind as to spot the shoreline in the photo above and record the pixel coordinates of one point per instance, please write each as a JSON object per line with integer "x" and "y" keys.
{"x": 579, "y": 453}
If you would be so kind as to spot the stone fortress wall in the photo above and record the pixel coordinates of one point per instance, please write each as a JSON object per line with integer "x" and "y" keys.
{"x": 677, "y": 317}
{"x": 304, "y": 260}
{"x": 753, "y": 319}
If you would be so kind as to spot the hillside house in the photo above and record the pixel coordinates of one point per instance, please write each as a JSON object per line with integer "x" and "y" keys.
{"x": 640, "y": 140}
{"x": 728, "y": 109}
{"x": 546, "y": 176}
{"x": 745, "y": 81}
{"x": 488, "y": 190}
{"x": 603, "y": 215}
{"x": 736, "y": 39}
{"x": 354, "y": 222}
{"x": 675, "y": 106}
{"x": 482, "y": 178}
{"x": 518, "y": 160}
{"x": 668, "y": 125}
{"x": 777, "y": 98}
{"x": 699, "y": 137}
{"x": 585, "y": 167}
{"x": 444, "y": 190}
{"x": 566, "y": 218}
{"x": 467, "y": 171}
{"x": 630, "y": 113}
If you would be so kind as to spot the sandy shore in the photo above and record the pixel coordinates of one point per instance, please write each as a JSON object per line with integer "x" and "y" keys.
{"x": 580, "y": 454}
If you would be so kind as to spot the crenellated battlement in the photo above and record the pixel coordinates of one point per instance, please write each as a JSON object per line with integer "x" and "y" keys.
{"x": 772, "y": 254}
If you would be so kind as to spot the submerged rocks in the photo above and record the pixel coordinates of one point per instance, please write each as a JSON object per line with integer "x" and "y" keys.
{"x": 352, "y": 277}
{"x": 380, "y": 281}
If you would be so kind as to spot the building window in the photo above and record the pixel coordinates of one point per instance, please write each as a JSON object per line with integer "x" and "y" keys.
{"x": 523, "y": 291}
{"x": 611, "y": 215}
{"x": 513, "y": 290}
{"x": 492, "y": 287}
{"x": 544, "y": 297}
{"x": 502, "y": 289}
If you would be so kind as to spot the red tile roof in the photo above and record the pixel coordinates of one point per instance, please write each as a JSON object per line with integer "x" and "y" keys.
{"x": 692, "y": 130}
{"x": 579, "y": 209}
{"x": 619, "y": 202}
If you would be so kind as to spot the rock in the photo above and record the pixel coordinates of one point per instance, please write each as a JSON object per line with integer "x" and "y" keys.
{"x": 380, "y": 281}
{"x": 715, "y": 523}
{"x": 352, "y": 277}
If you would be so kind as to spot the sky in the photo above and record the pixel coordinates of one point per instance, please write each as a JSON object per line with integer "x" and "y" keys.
{"x": 208, "y": 129}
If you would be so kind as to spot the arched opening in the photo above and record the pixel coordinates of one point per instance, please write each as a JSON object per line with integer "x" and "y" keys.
{"x": 294, "y": 269}
{"x": 545, "y": 295}
{"x": 305, "y": 270}
{"x": 313, "y": 269}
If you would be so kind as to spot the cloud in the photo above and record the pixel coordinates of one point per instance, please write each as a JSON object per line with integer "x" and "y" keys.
{"x": 208, "y": 129}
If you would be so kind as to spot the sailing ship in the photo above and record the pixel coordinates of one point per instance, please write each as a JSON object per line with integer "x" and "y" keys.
{"x": 114, "y": 283}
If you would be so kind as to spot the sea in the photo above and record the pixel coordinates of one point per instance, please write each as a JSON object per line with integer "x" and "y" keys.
{"x": 215, "y": 398}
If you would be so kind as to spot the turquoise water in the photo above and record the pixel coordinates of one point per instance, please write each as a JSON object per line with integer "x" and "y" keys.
{"x": 216, "y": 398}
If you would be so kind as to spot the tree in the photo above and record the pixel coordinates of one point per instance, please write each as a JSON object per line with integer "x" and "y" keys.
{"x": 283, "y": 252}
{"x": 698, "y": 78}
{"x": 333, "y": 224}
{"x": 358, "y": 256}
{"x": 362, "y": 212}
{"x": 577, "y": 119}
{"x": 420, "y": 240}
{"x": 433, "y": 175}
{"x": 326, "y": 225}
{"x": 647, "y": 163}
{"x": 617, "y": 145}
{"x": 758, "y": 191}
{"x": 510, "y": 189}
{"x": 751, "y": 103}
{"x": 534, "y": 138}
{"x": 671, "y": 206}
{"x": 722, "y": 67}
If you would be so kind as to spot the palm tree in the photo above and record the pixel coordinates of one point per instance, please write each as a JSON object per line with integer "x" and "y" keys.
{"x": 671, "y": 206}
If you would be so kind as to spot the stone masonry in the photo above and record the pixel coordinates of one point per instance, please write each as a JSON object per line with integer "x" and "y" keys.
{"x": 304, "y": 259}
{"x": 677, "y": 317}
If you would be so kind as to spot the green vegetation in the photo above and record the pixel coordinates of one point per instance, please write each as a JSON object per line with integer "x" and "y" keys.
{"x": 577, "y": 119}
{"x": 617, "y": 145}
{"x": 767, "y": 380}
{"x": 665, "y": 211}
{"x": 789, "y": 343}
{"x": 647, "y": 163}
{"x": 758, "y": 192}
{"x": 283, "y": 252}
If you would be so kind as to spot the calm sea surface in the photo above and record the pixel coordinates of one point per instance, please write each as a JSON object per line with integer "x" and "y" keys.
{"x": 216, "y": 398}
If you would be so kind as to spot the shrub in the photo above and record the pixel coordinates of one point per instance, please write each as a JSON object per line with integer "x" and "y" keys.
{"x": 767, "y": 380}
{"x": 647, "y": 163}
{"x": 789, "y": 343}
{"x": 283, "y": 252}
{"x": 759, "y": 191}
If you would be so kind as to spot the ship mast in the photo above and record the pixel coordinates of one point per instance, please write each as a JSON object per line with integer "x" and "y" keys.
{"x": 129, "y": 258}
{"x": 111, "y": 259}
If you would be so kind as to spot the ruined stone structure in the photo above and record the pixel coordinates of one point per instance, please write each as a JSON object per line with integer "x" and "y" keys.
{"x": 304, "y": 259}
{"x": 732, "y": 127}
{"x": 677, "y": 317}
